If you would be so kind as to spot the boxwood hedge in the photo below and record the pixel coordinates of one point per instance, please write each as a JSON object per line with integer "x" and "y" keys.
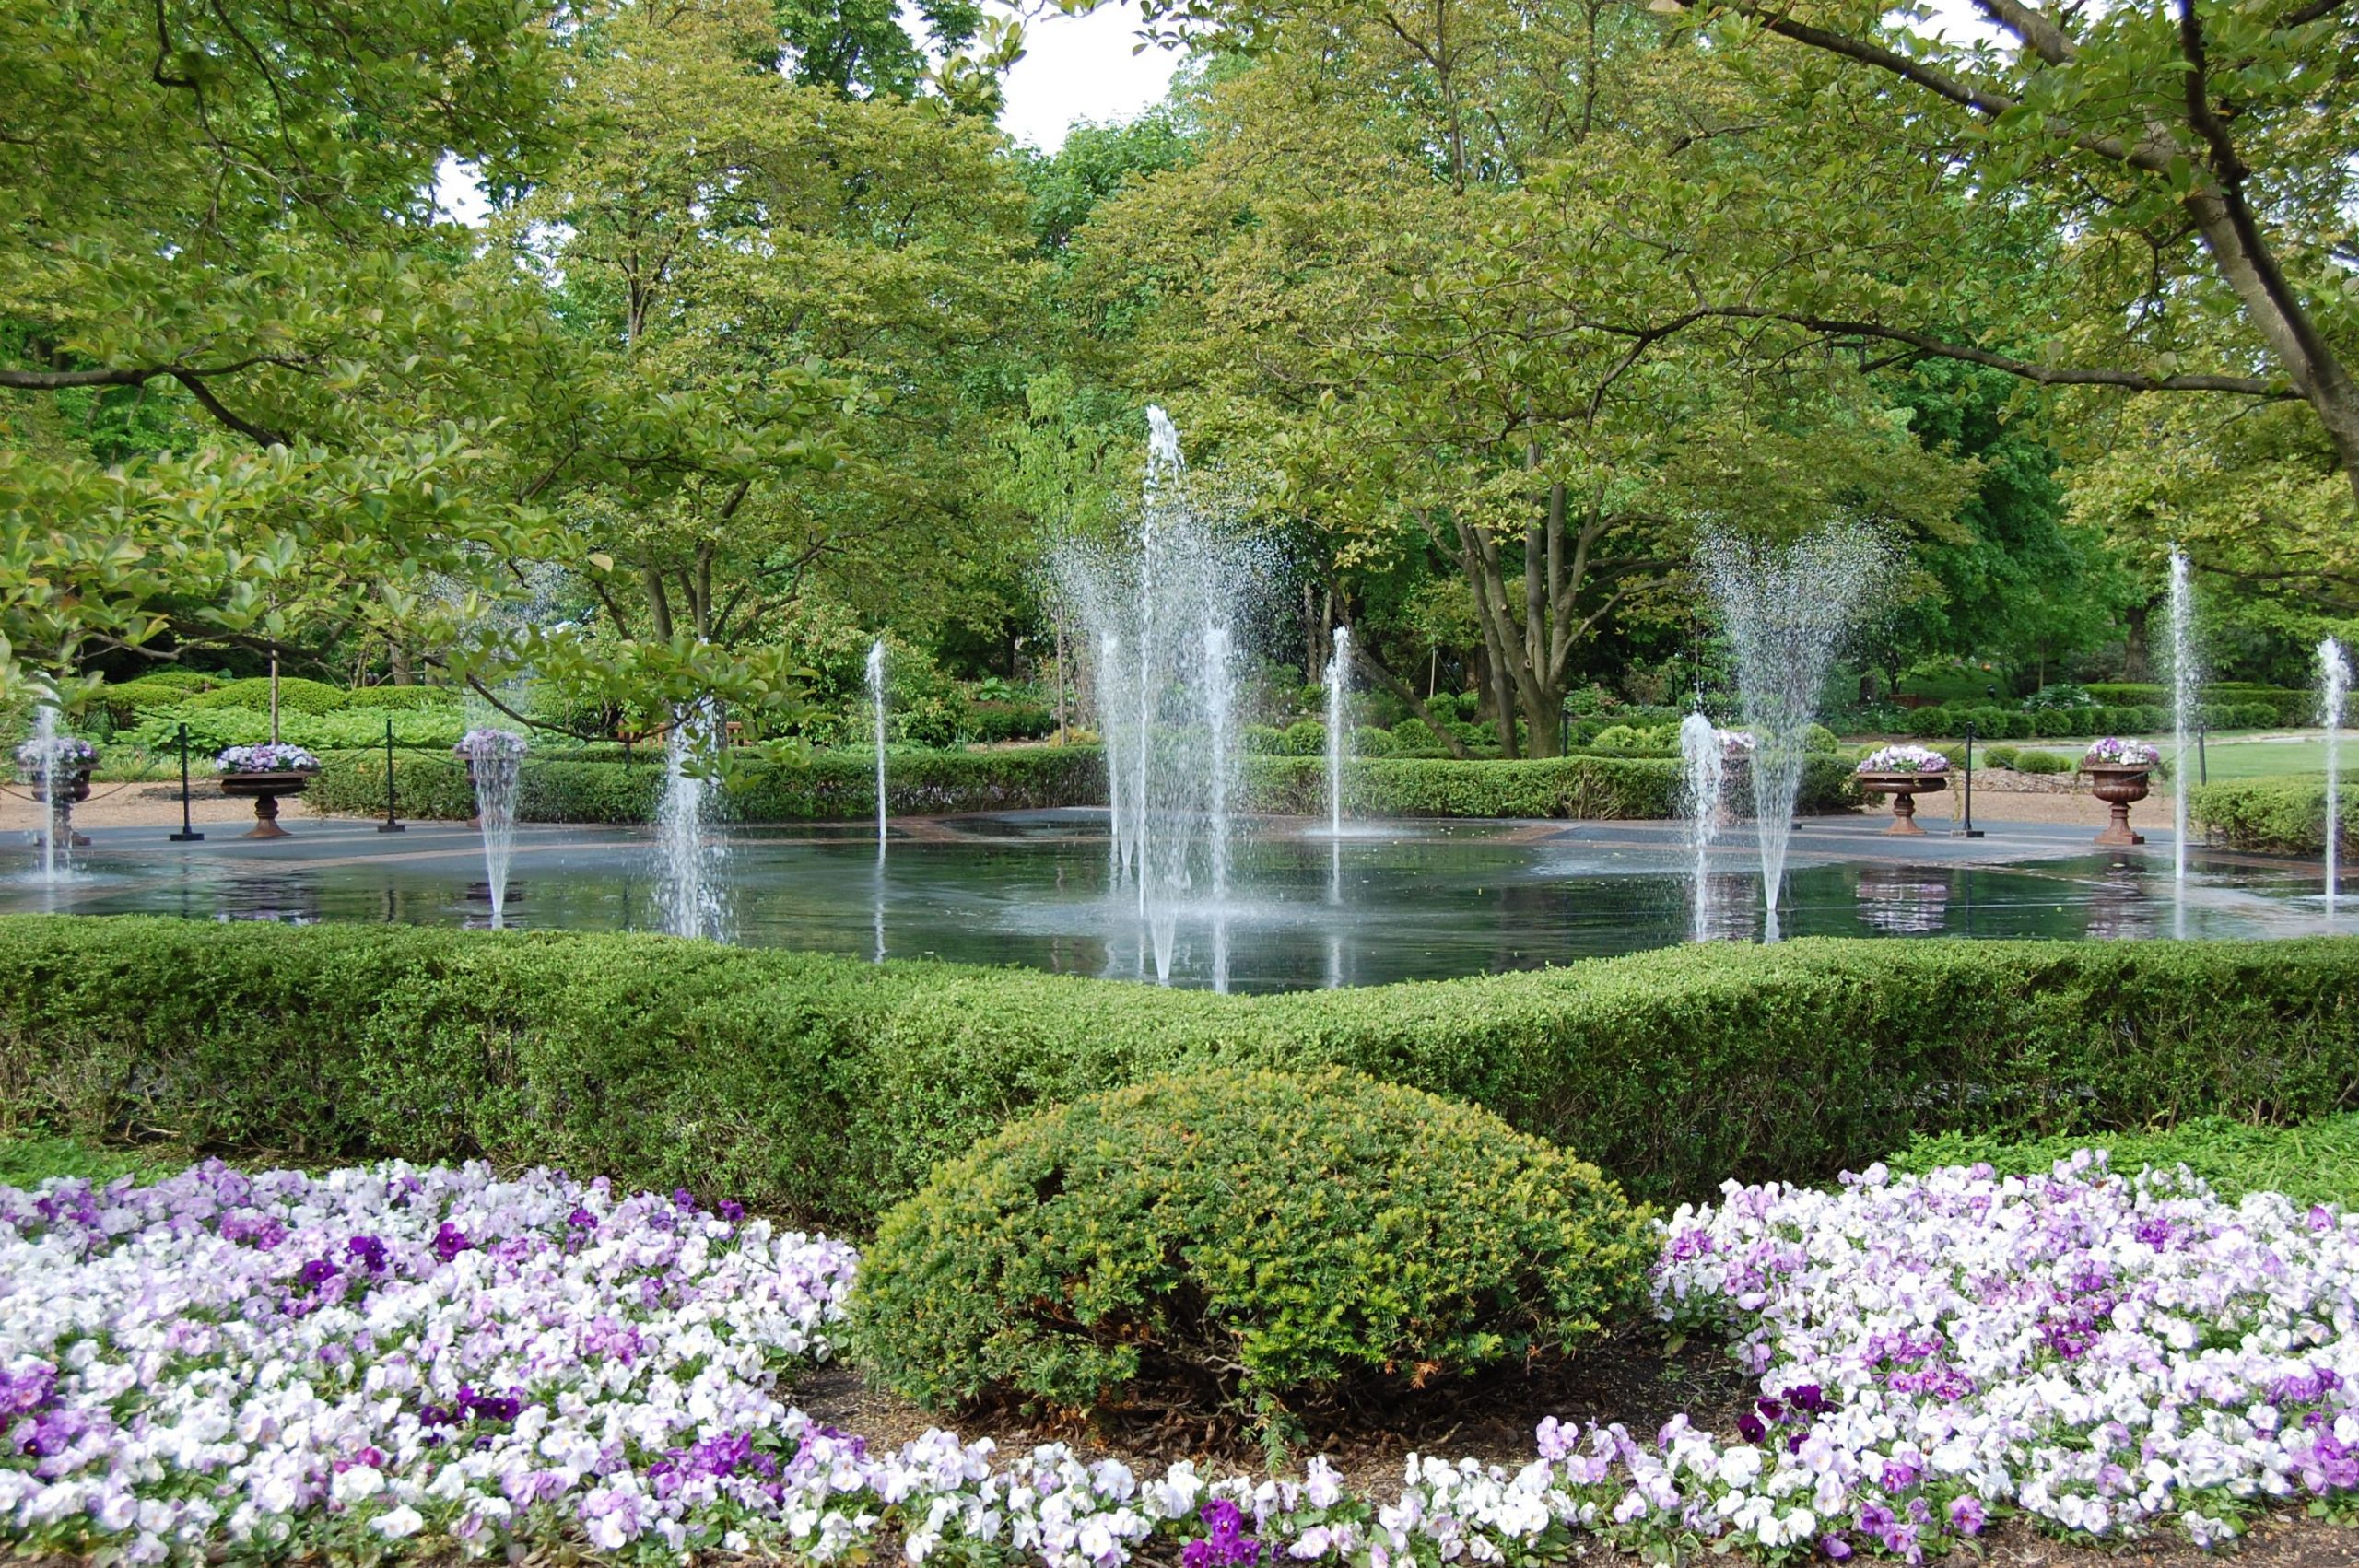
{"x": 2274, "y": 816}
{"x": 826, "y": 1087}
{"x": 839, "y": 785}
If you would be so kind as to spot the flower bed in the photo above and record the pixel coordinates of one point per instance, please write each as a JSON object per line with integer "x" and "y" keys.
{"x": 1902, "y": 759}
{"x": 283, "y": 1362}
{"x": 270, "y": 757}
{"x": 2115, "y": 751}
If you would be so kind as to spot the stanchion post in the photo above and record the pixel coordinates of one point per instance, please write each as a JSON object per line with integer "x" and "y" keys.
{"x": 1970, "y": 830}
{"x": 389, "y": 824}
{"x": 188, "y": 833}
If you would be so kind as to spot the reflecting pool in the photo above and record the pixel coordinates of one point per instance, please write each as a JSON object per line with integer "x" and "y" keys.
{"x": 1397, "y": 901}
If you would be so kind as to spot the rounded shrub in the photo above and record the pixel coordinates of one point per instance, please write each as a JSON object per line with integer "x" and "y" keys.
{"x": 1242, "y": 1236}
{"x": 2043, "y": 762}
{"x": 295, "y": 694}
{"x": 2053, "y": 724}
{"x": 1414, "y": 737}
{"x": 1370, "y": 740}
{"x": 1304, "y": 737}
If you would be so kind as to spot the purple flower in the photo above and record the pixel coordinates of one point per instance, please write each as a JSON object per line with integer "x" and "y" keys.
{"x": 1967, "y": 1517}
{"x": 318, "y": 1272}
{"x": 1833, "y": 1548}
{"x": 449, "y": 1241}
{"x": 731, "y": 1211}
{"x": 368, "y": 1252}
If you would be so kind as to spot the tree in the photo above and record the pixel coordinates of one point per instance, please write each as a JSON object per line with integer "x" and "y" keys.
{"x": 222, "y": 216}
{"x": 2201, "y": 149}
{"x": 1438, "y": 269}
{"x": 784, "y": 308}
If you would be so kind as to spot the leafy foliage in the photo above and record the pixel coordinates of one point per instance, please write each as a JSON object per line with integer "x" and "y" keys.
{"x": 830, "y": 1088}
{"x": 1253, "y": 1235}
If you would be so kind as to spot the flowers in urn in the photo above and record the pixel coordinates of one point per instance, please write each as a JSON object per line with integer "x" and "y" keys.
{"x": 268, "y": 757}
{"x": 61, "y": 755}
{"x": 1736, "y": 745}
{"x": 486, "y": 744}
{"x": 2114, "y": 752}
{"x": 1902, "y": 759}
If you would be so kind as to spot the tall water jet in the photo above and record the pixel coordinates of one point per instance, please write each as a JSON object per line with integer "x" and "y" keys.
{"x": 2334, "y": 691}
{"x": 1784, "y": 608}
{"x": 689, "y": 892}
{"x": 2187, "y": 682}
{"x": 55, "y": 857}
{"x": 1703, "y": 773}
{"x": 1339, "y": 726}
{"x": 876, "y": 710}
{"x": 1162, "y": 607}
{"x": 495, "y": 759}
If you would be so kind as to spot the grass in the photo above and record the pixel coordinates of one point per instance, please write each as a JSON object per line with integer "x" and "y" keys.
{"x": 29, "y": 1159}
{"x": 2315, "y": 1162}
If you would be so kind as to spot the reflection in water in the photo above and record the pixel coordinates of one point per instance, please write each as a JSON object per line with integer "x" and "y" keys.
{"x": 1422, "y": 902}
{"x": 1904, "y": 900}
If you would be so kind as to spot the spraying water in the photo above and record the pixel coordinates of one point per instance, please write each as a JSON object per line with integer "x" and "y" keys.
{"x": 2334, "y": 691}
{"x": 1339, "y": 726}
{"x": 2186, "y": 680}
{"x": 1703, "y": 774}
{"x": 1162, "y": 607}
{"x": 876, "y": 708}
{"x": 495, "y": 759}
{"x": 56, "y": 777}
{"x": 689, "y": 893}
{"x": 1784, "y": 609}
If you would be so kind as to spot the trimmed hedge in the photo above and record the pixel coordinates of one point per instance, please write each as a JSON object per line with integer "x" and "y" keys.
{"x": 828, "y": 1087}
{"x": 1253, "y": 1235}
{"x": 840, "y": 785}
{"x": 2274, "y": 816}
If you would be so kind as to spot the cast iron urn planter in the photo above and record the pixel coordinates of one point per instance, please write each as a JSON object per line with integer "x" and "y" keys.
{"x": 1904, "y": 789}
{"x": 264, "y": 789}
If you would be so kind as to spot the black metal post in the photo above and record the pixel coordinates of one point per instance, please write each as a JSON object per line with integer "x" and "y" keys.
{"x": 2203, "y": 768}
{"x": 389, "y": 824}
{"x": 188, "y": 834}
{"x": 1970, "y": 831}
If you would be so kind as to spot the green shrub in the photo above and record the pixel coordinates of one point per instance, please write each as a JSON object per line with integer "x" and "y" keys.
{"x": 1249, "y": 1235}
{"x": 2031, "y": 761}
{"x": 1413, "y": 737}
{"x": 1999, "y": 756}
{"x": 996, "y": 722}
{"x": 1585, "y": 787}
{"x": 2277, "y": 816}
{"x": 381, "y": 698}
{"x": 1262, "y": 740}
{"x": 1818, "y": 738}
{"x": 828, "y": 1087}
{"x": 1304, "y": 737}
{"x": 210, "y": 728}
{"x": 1370, "y": 740}
{"x": 295, "y": 694}
{"x": 2053, "y": 724}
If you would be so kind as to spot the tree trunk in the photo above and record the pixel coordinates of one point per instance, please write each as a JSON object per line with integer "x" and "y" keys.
{"x": 1364, "y": 654}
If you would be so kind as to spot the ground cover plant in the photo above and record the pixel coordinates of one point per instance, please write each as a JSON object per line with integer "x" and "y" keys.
{"x": 439, "y": 1360}
{"x": 827, "y": 1088}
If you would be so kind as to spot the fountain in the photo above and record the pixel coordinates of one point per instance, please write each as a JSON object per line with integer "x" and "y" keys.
{"x": 1784, "y": 608}
{"x": 1163, "y": 607}
{"x": 689, "y": 888}
{"x": 1339, "y": 726}
{"x": 1703, "y": 774}
{"x": 876, "y": 708}
{"x": 495, "y": 759}
{"x": 2334, "y": 691}
{"x": 1339, "y": 752}
{"x": 2187, "y": 681}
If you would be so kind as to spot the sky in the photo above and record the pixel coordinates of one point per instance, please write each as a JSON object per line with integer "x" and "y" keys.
{"x": 1082, "y": 68}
